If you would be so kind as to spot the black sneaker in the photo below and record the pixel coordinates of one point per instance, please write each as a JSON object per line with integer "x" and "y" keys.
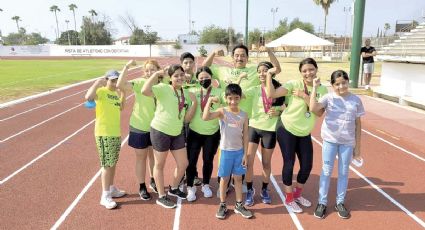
{"x": 165, "y": 202}
{"x": 144, "y": 194}
{"x": 320, "y": 211}
{"x": 240, "y": 209}
{"x": 197, "y": 181}
{"x": 152, "y": 185}
{"x": 342, "y": 211}
{"x": 222, "y": 211}
{"x": 177, "y": 193}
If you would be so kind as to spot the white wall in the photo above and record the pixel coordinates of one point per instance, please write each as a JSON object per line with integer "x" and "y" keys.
{"x": 103, "y": 51}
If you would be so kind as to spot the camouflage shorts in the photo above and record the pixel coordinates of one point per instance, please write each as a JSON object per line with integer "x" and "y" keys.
{"x": 109, "y": 150}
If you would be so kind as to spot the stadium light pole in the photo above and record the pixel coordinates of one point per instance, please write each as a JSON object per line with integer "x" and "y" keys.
{"x": 147, "y": 27}
{"x": 246, "y": 23}
{"x": 359, "y": 8}
{"x": 67, "y": 31}
{"x": 274, "y": 11}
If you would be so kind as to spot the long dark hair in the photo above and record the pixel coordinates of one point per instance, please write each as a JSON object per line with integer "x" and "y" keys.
{"x": 276, "y": 84}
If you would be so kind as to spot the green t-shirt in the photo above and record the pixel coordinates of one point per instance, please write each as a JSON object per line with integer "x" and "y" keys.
{"x": 143, "y": 109}
{"x": 293, "y": 117}
{"x": 108, "y": 110}
{"x": 260, "y": 119}
{"x": 227, "y": 75}
{"x": 166, "y": 117}
{"x": 197, "y": 124}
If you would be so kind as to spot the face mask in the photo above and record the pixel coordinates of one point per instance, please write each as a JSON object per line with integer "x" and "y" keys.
{"x": 205, "y": 83}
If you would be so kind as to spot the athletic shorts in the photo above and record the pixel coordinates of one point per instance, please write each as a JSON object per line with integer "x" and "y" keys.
{"x": 268, "y": 138}
{"x": 162, "y": 142}
{"x": 368, "y": 67}
{"x": 108, "y": 149}
{"x": 231, "y": 163}
{"x": 139, "y": 140}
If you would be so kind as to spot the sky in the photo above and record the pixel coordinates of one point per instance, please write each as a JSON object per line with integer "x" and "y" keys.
{"x": 171, "y": 17}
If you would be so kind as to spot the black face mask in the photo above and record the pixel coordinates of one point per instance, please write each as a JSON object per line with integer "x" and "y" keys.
{"x": 205, "y": 83}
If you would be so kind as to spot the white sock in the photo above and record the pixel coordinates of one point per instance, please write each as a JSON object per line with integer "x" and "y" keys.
{"x": 106, "y": 194}
{"x": 111, "y": 188}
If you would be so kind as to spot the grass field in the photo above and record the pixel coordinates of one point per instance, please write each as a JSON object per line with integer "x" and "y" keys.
{"x": 20, "y": 78}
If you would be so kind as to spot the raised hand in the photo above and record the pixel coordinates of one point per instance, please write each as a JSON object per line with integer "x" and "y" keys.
{"x": 219, "y": 52}
{"x": 316, "y": 82}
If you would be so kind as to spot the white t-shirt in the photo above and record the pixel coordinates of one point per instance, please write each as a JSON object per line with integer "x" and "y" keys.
{"x": 339, "y": 125}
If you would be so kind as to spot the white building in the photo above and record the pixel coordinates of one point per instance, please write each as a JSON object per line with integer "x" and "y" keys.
{"x": 122, "y": 41}
{"x": 188, "y": 39}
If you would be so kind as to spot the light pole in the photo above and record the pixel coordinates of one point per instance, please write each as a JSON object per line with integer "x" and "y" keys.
{"x": 193, "y": 27}
{"x": 67, "y": 31}
{"x": 274, "y": 11}
{"x": 147, "y": 28}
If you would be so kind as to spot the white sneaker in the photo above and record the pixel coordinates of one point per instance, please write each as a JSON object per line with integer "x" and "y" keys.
{"x": 115, "y": 192}
{"x": 367, "y": 87}
{"x": 207, "y": 190}
{"x": 191, "y": 193}
{"x": 108, "y": 202}
{"x": 292, "y": 206}
{"x": 303, "y": 201}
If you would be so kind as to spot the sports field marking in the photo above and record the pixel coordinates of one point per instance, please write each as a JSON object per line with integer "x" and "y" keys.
{"x": 80, "y": 195}
{"x": 7, "y": 104}
{"x": 34, "y": 126}
{"x": 45, "y": 153}
{"x": 394, "y": 145}
{"x": 386, "y": 195}
{"x": 282, "y": 198}
{"x": 40, "y": 106}
{"x": 176, "y": 224}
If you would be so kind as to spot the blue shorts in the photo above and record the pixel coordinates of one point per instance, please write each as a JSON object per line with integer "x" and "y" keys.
{"x": 139, "y": 140}
{"x": 231, "y": 163}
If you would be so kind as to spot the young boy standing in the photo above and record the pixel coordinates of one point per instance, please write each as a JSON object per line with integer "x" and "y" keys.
{"x": 233, "y": 146}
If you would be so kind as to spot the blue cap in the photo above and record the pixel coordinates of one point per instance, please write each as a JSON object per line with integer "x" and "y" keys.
{"x": 112, "y": 74}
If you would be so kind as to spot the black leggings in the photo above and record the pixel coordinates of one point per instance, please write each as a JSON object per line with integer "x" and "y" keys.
{"x": 209, "y": 145}
{"x": 289, "y": 146}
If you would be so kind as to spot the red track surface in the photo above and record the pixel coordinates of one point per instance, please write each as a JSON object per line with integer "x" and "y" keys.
{"x": 38, "y": 195}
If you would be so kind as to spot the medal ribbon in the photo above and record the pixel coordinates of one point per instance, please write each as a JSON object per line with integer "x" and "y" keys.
{"x": 204, "y": 100}
{"x": 267, "y": 102}
{"x": 180, "y": 102}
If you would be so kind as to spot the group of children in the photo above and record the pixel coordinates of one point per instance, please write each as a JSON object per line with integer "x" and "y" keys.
{"x": 179, "y": 110}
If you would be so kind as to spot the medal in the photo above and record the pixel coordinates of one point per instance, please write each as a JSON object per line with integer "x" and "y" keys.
{"x": 307, "y": 114}
{"x": 204, "y": 100}
{"x": 267, "y": 102}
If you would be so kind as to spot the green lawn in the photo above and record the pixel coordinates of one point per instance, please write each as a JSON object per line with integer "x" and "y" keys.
{"x": 20, "y": 78}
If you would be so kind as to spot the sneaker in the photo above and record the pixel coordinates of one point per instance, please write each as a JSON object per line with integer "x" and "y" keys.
{"x": 222, "y": 211}
{"x": 191, "y": 196}
{"x": 367, "y": 87}
{"x": 303, "y": 201}
{"x": 206, "y": 190}
{"x": 342, "y": 211}
{"x": 177, "y": 193}
{"x": 265, "y": 197}
{"x": 115, "y": 192}
{"x": 293, "y": 207}
{"x": 320, "y": 211}
{"x": 249, "y": 201}
{"x": 165, "y": 202}
{"x": 144, "y": 194}
{"x": 240, "y": 209}
{"x": 108, "y": 202}
{"x": 152, "y": 186}
{"x": 197, "y": 181}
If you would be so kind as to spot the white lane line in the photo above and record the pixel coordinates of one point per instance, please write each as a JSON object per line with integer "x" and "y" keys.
{"x": 34, "y": 126}
{"x": 78, "y": 198}
{"x": 10, "y": 103}
{"x": 43, "y": 154}
{"x": 395, "y": 146}
{"x": 176, "y": 224}
{"x": 282, "y": 197}
{"x": 386, "y": 195}
{"x": 40, "y": 106}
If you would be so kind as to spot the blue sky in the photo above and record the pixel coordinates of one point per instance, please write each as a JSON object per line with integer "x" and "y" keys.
{"x": 171, "y": 17}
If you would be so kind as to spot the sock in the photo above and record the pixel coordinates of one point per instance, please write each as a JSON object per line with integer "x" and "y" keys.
{"x": 152, "y": 180}
{"x": 238, "y": 203}
{"x": 265, "y": 185}
{"x": 106, "y": 193}
{"x": 174, "y": 188}
{"x": 142, "y": 187}
{"x": 223, "y": 203}
{"x": 289, "y": 197}
{"x": 297, "y": 192}
{"x": 249, "y": 185}
{"x": 111, "y": 187}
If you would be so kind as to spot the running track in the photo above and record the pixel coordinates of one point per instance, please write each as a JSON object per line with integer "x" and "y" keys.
{"x": 49, "y": 175}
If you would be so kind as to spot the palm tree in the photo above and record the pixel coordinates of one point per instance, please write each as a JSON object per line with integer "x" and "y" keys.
{"x": 72, "y": 8}
{"x": 326, "y": 4}
{"x": 54, "y": 9}
{"x": 386, "y": 28}
{"x": 17, "y": 19}
{"x": 93, "y": 13}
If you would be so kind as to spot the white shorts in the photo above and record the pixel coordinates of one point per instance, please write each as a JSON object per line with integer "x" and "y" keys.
{"x": 368, "y": 67}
